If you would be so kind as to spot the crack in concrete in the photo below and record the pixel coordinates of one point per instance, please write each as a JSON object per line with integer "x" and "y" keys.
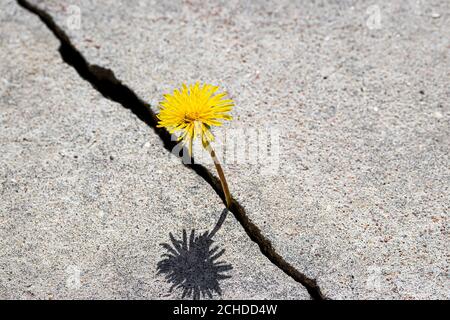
{"x": 105, "y": 82}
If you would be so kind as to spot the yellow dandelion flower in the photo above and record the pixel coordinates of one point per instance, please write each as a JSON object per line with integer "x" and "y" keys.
{"x": 192, "y": 110}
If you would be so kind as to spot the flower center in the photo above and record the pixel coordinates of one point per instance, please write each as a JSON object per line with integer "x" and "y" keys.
{"x": 191, "y": 116}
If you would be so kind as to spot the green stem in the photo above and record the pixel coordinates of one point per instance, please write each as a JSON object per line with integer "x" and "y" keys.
{"x": 219, "y": 169}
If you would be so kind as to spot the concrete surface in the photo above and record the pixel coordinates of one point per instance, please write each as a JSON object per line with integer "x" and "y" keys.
{"x": 85, "y": 206}
{"x": 358, "y": 92}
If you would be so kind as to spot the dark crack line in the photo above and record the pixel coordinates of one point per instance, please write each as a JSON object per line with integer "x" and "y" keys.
{"x": 105, "y": 82}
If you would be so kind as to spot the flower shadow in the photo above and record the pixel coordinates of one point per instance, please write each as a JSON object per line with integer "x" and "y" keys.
{"x": 191, "y": 264}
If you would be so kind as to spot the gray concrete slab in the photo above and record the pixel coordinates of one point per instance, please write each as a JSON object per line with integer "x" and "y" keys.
{"x": 358, "y": 93}
{"x": 85, "y": 206}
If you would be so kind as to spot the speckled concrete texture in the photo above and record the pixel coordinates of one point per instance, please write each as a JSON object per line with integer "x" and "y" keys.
{"x": 357, "y": 93}
{"x": 85, "y": 205}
